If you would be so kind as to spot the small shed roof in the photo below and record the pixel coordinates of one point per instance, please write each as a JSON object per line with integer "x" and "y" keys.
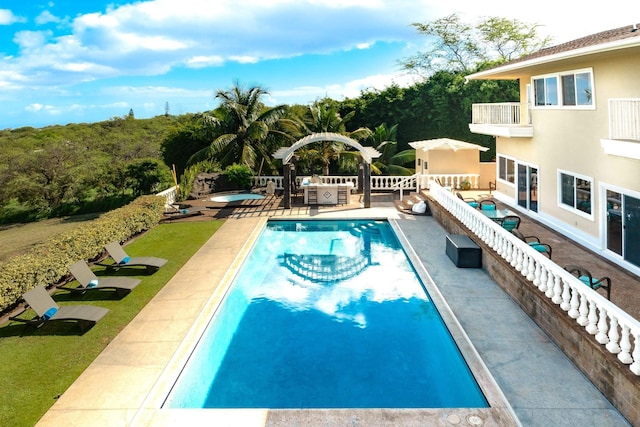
{"x": 445, "y": 144}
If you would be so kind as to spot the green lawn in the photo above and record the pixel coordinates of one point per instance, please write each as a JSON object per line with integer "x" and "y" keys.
{"x": 37, "y": 365}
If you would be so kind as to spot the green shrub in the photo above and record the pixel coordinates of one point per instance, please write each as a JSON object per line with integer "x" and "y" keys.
{"x": 46, "y": 264}
{"x": 239, "y": 175}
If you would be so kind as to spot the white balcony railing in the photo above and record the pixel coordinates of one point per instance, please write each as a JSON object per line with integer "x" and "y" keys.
{"x": 610, "y": 326}
{"x": 505, "y": 113}
{"x": 624, "y": 119}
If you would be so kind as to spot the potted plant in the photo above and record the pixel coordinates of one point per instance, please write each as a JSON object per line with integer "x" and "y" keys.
{"x": 465, "y": 185}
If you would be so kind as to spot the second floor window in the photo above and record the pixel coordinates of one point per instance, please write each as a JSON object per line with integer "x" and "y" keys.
{"x": 567, "y": 89}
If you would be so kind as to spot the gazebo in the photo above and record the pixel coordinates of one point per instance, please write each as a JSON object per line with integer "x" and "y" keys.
{"x": 286, "y": 153}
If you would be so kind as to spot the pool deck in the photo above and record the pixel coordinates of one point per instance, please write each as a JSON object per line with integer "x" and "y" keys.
{"x": 123, "y": 386}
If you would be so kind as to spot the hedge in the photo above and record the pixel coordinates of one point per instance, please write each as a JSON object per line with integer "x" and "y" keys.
{"x": 46, "y": 263}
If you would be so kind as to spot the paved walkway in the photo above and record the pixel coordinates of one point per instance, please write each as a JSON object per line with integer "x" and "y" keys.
{"x": 541, "y": 384}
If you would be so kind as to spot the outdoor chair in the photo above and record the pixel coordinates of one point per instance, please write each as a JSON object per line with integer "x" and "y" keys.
{"x": 510, "y": 222}
{"x": 89, "y": 281}
{"x": 469, "y": 200}
{"x": 487, "y": 205}
{"x": 47, "y": 310}
{"x": 534, "y": 242}
{"x": 585, "y": 277}
{"x": 122, "y": 259}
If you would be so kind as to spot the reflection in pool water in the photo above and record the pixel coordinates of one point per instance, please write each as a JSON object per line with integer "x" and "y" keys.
{"x": 282, "y": 339}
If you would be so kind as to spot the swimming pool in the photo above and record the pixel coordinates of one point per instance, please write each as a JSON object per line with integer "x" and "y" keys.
{"x": 236, "y": 197}
{"x": 315, "y": 296}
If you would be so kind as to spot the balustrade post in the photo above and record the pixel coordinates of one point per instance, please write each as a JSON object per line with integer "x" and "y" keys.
{"x": 603, "y": 327}
{"x": 635, "y": 366}
{"x": 592, "y": 319}
{"x": 625, "y": 347}
{"x": 613, "y": 345}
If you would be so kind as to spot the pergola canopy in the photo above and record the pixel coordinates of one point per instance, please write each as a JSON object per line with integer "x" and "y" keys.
{"x": 445, "y": 144}
{"x": 285, "y": 153}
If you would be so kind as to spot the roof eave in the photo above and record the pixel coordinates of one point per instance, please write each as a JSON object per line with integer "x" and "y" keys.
{"x": 509, "y": 71}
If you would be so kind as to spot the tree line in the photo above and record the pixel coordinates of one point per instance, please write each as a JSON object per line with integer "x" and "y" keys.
{"x": 62, "y": 170}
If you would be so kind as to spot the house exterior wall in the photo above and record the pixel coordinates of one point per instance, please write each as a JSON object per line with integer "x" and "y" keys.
{"x": 569, "y": 140}
{"x": 448, "y": 161}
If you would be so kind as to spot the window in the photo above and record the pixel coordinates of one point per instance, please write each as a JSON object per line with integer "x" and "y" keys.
{"x": 576, "y": 192}
{"x": 546, "y": 91}
{"x": 506, "y": 169}
{"x": 567, "y": 89}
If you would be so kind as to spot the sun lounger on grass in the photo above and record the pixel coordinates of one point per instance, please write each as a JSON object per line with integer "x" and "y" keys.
{"x": 121, "y": 259}
{"x": 89, "y": 281}
{"x": 47, "y": 310}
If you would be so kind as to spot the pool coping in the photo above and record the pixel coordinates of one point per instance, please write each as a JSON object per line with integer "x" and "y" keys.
{"x": 128, "y": 382}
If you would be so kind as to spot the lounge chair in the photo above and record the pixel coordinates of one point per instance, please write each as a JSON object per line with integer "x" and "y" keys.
{"x": 178, "y": 213}
{"x": 47, "y": 310}
{"x": 121, "y": 259}
{"x": 586, "y": 278}
{"x": 89, "y": 281}
{"x": 469, "y": 200}
{"x": 534, "y": 242}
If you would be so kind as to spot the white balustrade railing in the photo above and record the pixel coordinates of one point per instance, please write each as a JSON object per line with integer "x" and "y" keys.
{"x": 449, "y": 180}
{"x": 624, "y": 119}
{"x": 503, "y": 113}
{"x": 612, "y": 327}
{"x": 170, "y": 195}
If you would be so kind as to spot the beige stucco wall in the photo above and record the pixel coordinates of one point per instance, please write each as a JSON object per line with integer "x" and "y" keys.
{"x": 569, "y": 139}
{"x": 448, "y": 161}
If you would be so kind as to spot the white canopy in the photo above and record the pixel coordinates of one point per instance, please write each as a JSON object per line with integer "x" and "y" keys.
{"x": 445, "y": 144}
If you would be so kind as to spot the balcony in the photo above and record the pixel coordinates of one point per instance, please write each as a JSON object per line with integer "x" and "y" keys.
{"x": 504, "y": 119}
{"x": 624, "y": 129}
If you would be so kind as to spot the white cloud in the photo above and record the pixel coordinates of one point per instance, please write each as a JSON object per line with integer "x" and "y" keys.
{"x": 47, "y": 17}
{"x": 7, "y": 17}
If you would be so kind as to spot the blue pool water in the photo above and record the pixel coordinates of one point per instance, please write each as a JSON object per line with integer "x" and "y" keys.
{"x": 236, "y": 197}
{"x": 326, "y": 314}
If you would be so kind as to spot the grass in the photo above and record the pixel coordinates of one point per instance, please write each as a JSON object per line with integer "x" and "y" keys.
{"x": 38, "y": 365}
{"x": 19, "y": 238}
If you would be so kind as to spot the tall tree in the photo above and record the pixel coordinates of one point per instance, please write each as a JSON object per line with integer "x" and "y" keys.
{"x": 391, "y": 162}
{"x": 242, "y": 124}
{"x": 461, "y": 47}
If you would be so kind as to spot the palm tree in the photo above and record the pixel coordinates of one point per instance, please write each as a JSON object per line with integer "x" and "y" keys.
{"x": 243, "y": 126}
{"x": 390, "y": 162}
{"x": 321, "y": 117}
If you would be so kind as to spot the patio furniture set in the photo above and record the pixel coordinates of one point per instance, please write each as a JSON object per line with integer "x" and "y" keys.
{"x": 464, "y": 253}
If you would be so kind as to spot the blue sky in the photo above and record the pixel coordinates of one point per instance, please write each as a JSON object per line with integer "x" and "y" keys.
{"x": 73, "y": 61}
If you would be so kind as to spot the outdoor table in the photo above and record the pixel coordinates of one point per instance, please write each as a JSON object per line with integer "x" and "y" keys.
{"x": 496, "y": 215}
{"x": 327, "y": 194}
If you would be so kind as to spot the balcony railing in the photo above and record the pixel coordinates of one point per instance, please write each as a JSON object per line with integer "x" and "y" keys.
{"x": 506, "y": 113}
{"x": 624, "y": 119}
{"x": 613, "y": 328}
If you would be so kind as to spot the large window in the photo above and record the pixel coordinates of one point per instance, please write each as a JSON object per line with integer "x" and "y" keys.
{"x": 506, "y": 169}
{"x": 576, "y": 192}
{"x": 567, "y": 89}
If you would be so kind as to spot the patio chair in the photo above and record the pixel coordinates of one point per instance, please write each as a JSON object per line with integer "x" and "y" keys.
{"x": 122, "y": 259}
{"x": 469, "y": 200}
{"x": 487, "y": 205}
{"x": 534, "y": 242}
{"x": 510, "y": 222}
{"x": 585, "y": 277}
{"x": 89, "y": 281}
{"x": 47, "y": 310}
